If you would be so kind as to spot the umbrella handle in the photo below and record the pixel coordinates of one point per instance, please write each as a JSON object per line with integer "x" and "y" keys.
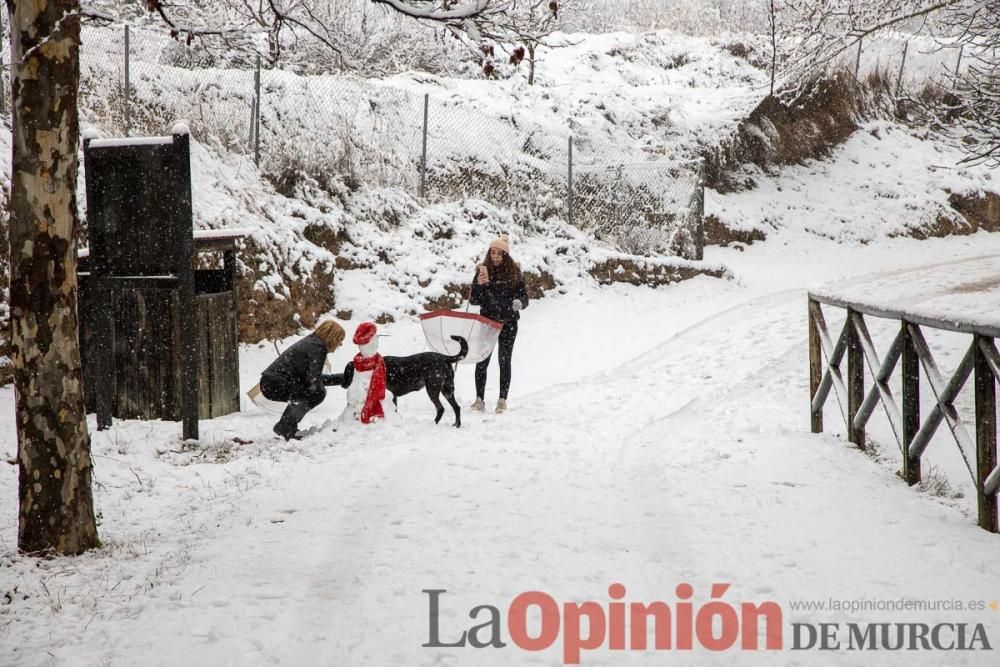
{"x": 468, "y": 304}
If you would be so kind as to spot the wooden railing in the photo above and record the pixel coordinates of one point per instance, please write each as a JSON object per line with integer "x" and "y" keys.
{"x": 910, "y": 351}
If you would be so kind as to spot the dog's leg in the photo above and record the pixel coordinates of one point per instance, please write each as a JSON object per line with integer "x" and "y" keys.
{"x": 449, "y": 393}
{"x": 395, "y": 402}
{"x": 436, "y": 400}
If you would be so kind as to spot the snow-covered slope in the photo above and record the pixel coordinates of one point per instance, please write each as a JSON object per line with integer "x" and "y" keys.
{"x": 336, "y": 184}
{"x": 885, "y": 180}
{"x": 652, "y": 95}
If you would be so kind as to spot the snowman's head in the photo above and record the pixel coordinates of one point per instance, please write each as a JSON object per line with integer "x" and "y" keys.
{"x": 369, "y": 348}
{"x": 366, "y": 338}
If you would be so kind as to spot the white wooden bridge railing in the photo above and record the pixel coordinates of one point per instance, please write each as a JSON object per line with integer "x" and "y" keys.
{"x": 909, "y": 351}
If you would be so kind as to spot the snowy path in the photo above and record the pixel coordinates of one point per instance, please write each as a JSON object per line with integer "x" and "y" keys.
{"x": 554, "y": 484}
{"x": 614, "y": 478}
{"x": 690, "y": 462}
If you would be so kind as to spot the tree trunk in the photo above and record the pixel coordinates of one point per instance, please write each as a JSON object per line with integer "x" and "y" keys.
{"x": 531, "y": 64}
{"x": 54, "y": 465}
{"x": 773, "y": 18}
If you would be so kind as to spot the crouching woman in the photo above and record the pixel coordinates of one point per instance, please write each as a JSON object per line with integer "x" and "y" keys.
{"x": 297, "y": 377}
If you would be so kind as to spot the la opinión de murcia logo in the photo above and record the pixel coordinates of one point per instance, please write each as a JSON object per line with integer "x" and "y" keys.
{"x": 716, "y": 625}
{"x": 890, "y": 637}
{"x": 684, "y": 625}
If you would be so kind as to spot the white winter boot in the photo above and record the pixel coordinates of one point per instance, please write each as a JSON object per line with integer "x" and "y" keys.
{"x": 502, "y": 405}
{"x": 478, "y": 405}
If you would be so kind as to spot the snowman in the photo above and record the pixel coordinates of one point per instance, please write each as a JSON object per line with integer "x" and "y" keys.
{"x": 366, "y": 395}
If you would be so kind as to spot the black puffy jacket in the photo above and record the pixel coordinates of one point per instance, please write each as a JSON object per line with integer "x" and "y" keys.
{"x": 495, "y": 299}
{"x": 301, "y": 365}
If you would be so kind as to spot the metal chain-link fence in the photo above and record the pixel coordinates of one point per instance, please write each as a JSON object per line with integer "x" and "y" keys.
{"x": 641, "y": 206}
{"x": 139, "y": 82}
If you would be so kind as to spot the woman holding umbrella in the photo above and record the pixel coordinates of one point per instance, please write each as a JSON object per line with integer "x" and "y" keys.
{"x": 498, "y": 289}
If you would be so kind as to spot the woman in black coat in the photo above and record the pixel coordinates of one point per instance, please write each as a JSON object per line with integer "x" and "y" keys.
{"x": 498, "y": 289}
{"x": 296, "y": 376}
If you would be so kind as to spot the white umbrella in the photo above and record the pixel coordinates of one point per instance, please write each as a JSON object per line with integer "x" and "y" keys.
{"x": 480, "y": 332}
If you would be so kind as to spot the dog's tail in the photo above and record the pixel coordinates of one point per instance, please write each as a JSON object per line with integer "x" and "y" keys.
{"x": 461, "y": 353}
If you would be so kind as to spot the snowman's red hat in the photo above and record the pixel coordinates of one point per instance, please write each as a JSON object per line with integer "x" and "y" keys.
{"x": 365, "y": 333}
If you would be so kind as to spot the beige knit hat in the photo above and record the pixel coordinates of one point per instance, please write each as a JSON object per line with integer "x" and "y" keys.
{"x": 501, "y": 243}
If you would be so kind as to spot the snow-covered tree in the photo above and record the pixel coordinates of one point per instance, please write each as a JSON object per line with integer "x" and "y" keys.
{"x": 812, "y": 36}
{"x": 526, "y": 24}
{"x": 977, "y": 26}
{"x": 347, "y": 35}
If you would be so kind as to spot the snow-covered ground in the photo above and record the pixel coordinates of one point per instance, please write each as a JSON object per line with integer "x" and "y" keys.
{"x": 655, "y": 437}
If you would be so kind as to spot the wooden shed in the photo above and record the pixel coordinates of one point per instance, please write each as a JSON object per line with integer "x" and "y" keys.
{"x": 158, "y": 336}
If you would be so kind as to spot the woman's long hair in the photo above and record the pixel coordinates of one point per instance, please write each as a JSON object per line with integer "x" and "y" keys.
{"x": 331, "y": 333}
{"x": 508, "y": 273}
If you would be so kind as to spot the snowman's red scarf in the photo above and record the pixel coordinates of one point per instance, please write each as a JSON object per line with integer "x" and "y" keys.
{"x": 372, "y": 409}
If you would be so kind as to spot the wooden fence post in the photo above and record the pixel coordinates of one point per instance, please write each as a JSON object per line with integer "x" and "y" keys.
{"x": 855, "y": 380}
{"x": 986, "y": 435}
{"x": 815, "y": 368}
{"x": 911, "y": 405}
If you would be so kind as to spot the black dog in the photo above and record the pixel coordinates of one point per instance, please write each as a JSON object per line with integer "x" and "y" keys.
{"x": 417, "y": 371}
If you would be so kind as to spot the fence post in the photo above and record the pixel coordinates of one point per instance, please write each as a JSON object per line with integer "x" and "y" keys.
{"x": 569, "y": 193}
{"x": 423, "y": 149}
{"x": 128, "y": 86}
{"x": 256, "y": 133}
{"x": 902, "y": 65}
{"x": 253, "y": 119}
{"x": 815, "y": 368}
{"x": 857, "y": 63}
{"x": 911, "y": 404}
{"x": 699, "y": 231}
{"x": 3, "y": 86}
{"x": 986, "y": 434}
{"x": 855, "y": 380}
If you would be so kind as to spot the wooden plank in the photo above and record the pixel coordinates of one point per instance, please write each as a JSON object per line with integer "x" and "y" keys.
{"x": 992, "y": 358}
{"x": 233, "y": 355}
{"x": 146, "y": 388}
{"x": 911, "y": 405}
{"x": 103, "y": 347}
{"x": 228, "y": 360}
{"x": 220, "y": 405}
{"x": 162, "y": 371}
{"x": 88, "y": 339}
{"x": 958, "y": 326}
{"x": 855, "y": 382}
{"x": 815, "y": 372}
{"x": 834, "y": 354}
{"x": 944, "y": 394}
{"x": 881, "y": 371}
{"x": 123, "y": 362}
{"x": 175, "y": 355}
{"x": 986, "y": 437}
{"x": 224, "y": 370}
{"x": 203, "y": 336}
{"x": 213, "y": 360}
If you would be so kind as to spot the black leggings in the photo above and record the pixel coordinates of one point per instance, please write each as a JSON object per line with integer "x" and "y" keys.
{"x": 506, "y": 346}
{"x": 276, "y": 388}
